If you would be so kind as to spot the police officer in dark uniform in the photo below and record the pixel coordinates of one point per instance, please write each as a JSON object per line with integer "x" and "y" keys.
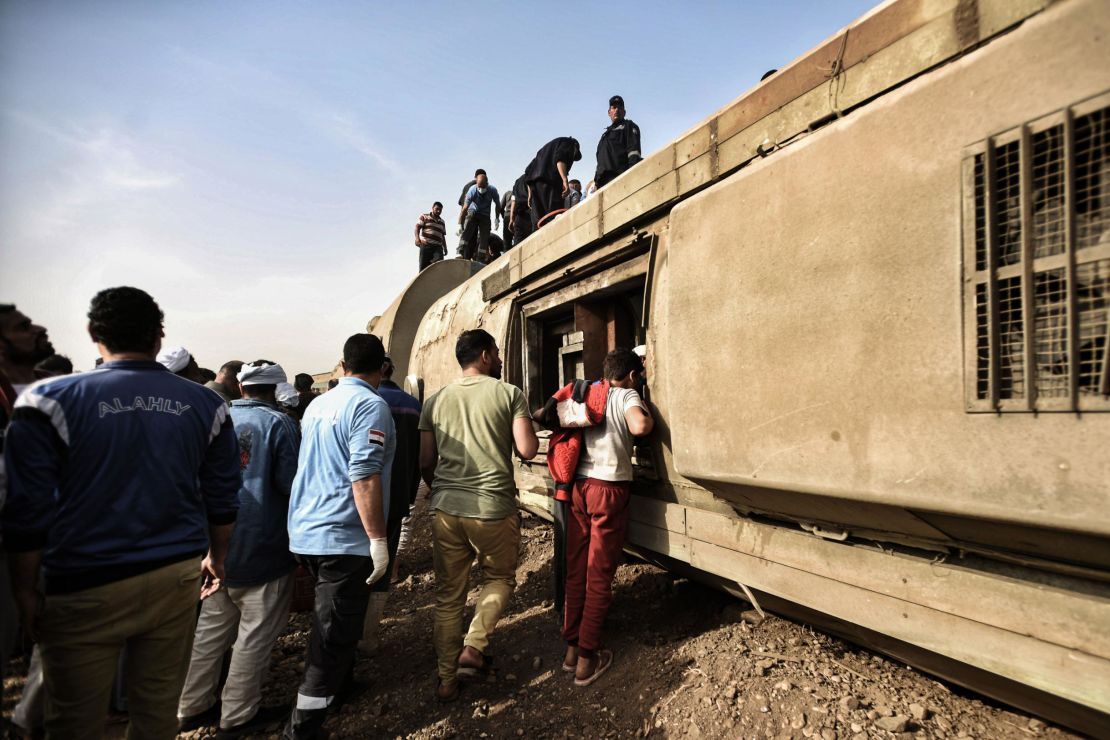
{"x": 619, "y": 147}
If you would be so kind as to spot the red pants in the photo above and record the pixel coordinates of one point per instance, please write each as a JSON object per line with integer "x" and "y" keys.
{"x": 595, "y": 538}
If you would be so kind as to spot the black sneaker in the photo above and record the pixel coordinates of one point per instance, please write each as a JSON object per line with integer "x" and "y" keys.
{"x": 264, "y": 716}
{"x": 208, "y": 718}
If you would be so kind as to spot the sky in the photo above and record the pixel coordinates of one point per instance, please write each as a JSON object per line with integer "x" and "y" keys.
{"x": 258, "y": 167}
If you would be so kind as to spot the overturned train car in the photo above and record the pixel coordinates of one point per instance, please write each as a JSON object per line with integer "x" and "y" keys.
{"x": 874, "y": 291}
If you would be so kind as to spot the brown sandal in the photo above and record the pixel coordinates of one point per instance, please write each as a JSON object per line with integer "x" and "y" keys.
{"x": 448, "y": 697}
{"x": 604, "y": 660}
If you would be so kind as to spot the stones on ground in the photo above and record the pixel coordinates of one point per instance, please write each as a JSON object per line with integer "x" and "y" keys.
{"x": 850, "y": 703}
{"x": 828, "y": 733}
{"x": 729, "y": 692}
{"x": 1036, "y": 725}
{"x": 510, "y": 676}
{"x": 897, "y": 723}
{"x": 536, "y": 663}
{"x": 919, "y": 712}
{"x": 798, "y": 722}
{"x": 752, "y": 617}
{"x": 783, "y": 685}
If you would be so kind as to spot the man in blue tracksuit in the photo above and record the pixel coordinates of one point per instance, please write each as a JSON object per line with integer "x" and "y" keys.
{"x": 253, "y": 608}
{"x": 120, "y": 481}
{"x": 337, "y": 522}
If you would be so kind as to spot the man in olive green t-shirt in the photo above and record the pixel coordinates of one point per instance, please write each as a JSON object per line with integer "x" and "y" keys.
{"x": 467, "y": 434}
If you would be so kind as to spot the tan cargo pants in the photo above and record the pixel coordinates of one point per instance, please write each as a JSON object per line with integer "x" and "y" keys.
{"x": 457, "y": 542}
{"x": 82, "y": 634}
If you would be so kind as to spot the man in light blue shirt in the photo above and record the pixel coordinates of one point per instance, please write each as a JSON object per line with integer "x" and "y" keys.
{"x": 474, "y": 218}
{"x": 337, "y": 522}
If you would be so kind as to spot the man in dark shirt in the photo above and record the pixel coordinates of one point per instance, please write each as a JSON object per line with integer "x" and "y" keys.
{"x": 546, "y": 175}
{"x": 129, "y": 474}
{"x": 521, "y": 223}
{"x": 404, "y": 479}
{"x": 619, "y": 147}
{"x": 303, "y": 383}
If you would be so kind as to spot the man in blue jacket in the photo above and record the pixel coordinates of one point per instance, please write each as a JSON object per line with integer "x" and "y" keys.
{"x": 120, "y": 481}
{"x": 337, "y": 522}
{"x": 253, "y": 608}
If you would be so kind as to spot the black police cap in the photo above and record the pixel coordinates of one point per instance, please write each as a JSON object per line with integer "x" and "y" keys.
{"x": 616, "y": 102}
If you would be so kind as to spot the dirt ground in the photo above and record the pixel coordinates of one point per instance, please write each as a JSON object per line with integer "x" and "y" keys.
{"x": 686, "y": 665}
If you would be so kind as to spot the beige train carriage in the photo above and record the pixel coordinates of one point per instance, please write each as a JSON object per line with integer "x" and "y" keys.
{"x": 874, "y": 291}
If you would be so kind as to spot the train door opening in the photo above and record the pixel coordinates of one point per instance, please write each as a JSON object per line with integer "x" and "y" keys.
{"x": 567, "y": 334}
{"x": 570, "y": 341}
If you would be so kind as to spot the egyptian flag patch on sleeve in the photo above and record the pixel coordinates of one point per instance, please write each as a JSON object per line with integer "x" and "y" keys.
{"x": 376, "y": 437}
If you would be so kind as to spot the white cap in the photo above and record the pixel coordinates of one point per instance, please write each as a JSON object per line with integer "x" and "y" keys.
{"x": 175, "y": 359}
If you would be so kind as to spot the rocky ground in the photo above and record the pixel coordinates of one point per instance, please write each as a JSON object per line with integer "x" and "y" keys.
{"x": 687, "y": 665}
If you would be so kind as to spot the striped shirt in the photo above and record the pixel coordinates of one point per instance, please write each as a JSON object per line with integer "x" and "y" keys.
{"x": 432, "y": 230}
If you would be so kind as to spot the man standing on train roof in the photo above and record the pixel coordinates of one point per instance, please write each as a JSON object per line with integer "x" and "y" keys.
{"x": 431, "y": 236}
{"x": 546, "y": 175}
{"x": 599, "y": 516}
{"x": 403, "y": 481}
{"x": 120, "y": 481}
{"x": 474, "y": 216}
{"x": 467, "y": 434}
{"x": 574, "y": 197}
{"x": 520, "y": 213}
{"x": 506, "y": 229}
{"x": 337, "y": 523}
{"x": 619, "y": 147}
{"x": 253, "y": 607}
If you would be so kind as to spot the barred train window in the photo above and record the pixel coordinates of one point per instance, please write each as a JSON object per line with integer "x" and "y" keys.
{"x": 1037, "y": 264}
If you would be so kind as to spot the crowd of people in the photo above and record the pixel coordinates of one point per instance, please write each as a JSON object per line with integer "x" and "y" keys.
{"x": 539, "y": 195}
{"x": 144, "y": 487}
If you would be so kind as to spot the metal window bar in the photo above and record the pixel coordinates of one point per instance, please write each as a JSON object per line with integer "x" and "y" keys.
{"x": 1037, "y": 264}
{"x": 1028, "y": 309}
{"x": 1069, "y": 251}
{"x": 994, "y": 340}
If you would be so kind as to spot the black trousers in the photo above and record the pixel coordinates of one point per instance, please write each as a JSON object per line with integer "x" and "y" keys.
{"x": 559, "y": 566}
{"x": 522, "y": 226}
{"x": 546, "y": 197}
{"x": 475, "y": 225}
{"x": 430, "y": 254}
{"x": 341, "y": 598}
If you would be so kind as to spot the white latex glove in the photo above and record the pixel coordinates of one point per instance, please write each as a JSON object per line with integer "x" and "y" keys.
{"x": 379, "y": 553}
{"x": 458, "y": 231}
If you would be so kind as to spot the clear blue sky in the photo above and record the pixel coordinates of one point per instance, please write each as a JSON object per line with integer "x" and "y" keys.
{"x": 258, "y": 166}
